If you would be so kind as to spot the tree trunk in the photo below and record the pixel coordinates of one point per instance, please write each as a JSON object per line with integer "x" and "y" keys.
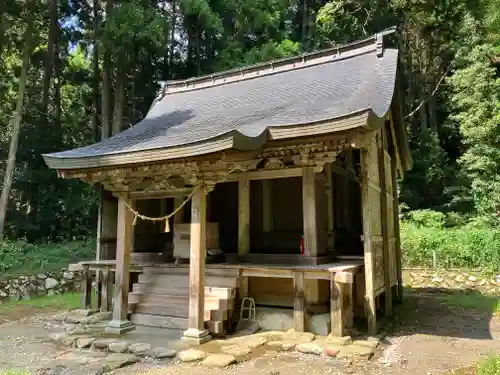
{"x": 119, "y": 101}
{"x": 96, "y": 72}
{"x": 106, "y": 86}
{"x": 16, "y": 127}
{"x": 49, "y": 57}
{"x": 198, "y": 43}
{"x": 172, "y": 40}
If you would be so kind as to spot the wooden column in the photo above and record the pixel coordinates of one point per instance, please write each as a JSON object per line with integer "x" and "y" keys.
{"x": 370, "y": 309}
{"x": 196, "y": 331}
{"x": 120, "y": 324}
{"x": 309, "y": 211}
{"x": 381, "y": 145}
{"x": 86, "y": 288}
{"x": 395, "y": 209}
{"x": 107, "y": 289}
{"x": 267, "y": 206}
{"x": 336, "y": 308}
{"x": 299, "y": 304}
{"x": 243, "y": 216}
{"x": 331, "y": 208}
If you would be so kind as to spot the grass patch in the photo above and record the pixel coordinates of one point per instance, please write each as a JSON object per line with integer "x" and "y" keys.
{"x": 58, "y": 301}
{"x": 15, "y": 372}
{"x": 23, "y": 258}
{"x": 474, "y": 301}
{"x": 490, "y": 366}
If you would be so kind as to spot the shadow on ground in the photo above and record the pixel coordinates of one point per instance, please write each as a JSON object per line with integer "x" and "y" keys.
{"x": 445, "y": 312}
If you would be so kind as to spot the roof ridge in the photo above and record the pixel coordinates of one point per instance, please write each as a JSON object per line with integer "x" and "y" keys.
{"x": 375, "y": 41}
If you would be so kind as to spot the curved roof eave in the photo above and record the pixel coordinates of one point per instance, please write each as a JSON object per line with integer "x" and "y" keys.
{"x": 232, "y": 140}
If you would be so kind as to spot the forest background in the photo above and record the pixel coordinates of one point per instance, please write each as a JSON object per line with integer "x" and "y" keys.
{"x": 73, "y": 71}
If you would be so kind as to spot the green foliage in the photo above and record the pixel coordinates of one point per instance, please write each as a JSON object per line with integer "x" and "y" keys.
{"x": 66, "y": 301}
{"x": 490, "y": 366}
{"x": 21, "y": 257}
{"x": 424, "y": 236}
{"x": 474, "y": 301}
{"x": 15, "y": 372}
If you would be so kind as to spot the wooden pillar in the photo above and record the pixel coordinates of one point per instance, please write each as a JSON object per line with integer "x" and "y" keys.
{"x": 309, "y": 211}
{"x": 86, "y": 288}
{"x": 243, "y": 216}
{"x": 299, "y": 305}
{"x": 107, "y": 288}
{"x": 370, "y": 309}
{"x": 331, "y": 208}
{"x": 267, "y": 206}
{"x": 196, "y": 331}
{"x": 119, "y": 323}
{"x": 395, "y": 209}
{"x": 381, "y": 145}
{"x": 336, "y": 308}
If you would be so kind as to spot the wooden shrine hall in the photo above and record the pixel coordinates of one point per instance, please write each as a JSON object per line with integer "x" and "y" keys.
{"x": 276, "y": 182}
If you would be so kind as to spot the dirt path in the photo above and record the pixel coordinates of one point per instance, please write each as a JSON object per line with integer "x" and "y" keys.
{"x": 429, "y": 338}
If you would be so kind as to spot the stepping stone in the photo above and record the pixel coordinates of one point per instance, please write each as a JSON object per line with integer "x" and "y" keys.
{"x": 218, "y": 360}
{"x": 103, "y": 343}
{"x": 160, "y": 352}
{"x": 84, "y": 312}
{"x": 117, "y": 360}
{"x": 84, "y": 342}
{"x": 62, "y": 339}
{"x": 118, "y": 347}
{"x": 345, "y": 340}
{"x": 309, "y": 348}
{"x": 76, "y": 330}
{"x": 236, "y": 350}
{"x": 277, "y": 345}
{"x": 287, "y": 345}
{"x": 368, "y": 343}
{"x": 192, "y": 355}
{"x": 140, "y": 348}
{"x": 354, "y": 351}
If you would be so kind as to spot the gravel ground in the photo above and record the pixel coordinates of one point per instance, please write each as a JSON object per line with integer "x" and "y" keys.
{"x": 429, "y": 338}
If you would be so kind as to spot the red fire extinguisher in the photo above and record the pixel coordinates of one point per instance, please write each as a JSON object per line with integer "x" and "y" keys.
{"x": 302, "y": 249}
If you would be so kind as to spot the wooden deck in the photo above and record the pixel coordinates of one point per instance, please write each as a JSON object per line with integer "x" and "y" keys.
{"x": 341, "y": 275}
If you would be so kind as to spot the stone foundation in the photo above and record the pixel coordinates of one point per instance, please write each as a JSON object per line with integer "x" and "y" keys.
{"x": 471, "y": 280}
{"x": 16, "y": 288}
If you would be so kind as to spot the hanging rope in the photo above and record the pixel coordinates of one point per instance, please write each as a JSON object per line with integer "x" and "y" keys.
{"x": 137, "y": 214}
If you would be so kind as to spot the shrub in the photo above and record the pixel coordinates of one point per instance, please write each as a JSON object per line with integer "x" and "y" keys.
{"x": 21, "y": 257}
{"x": 490, "y": 366}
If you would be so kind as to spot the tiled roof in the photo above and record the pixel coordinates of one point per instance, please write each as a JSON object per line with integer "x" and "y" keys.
{"x": 320, "y": 87}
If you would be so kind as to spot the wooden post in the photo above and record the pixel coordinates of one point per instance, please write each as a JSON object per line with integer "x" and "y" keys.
{"x": 299, "y": 305}
{"x": 395, "y": 209}
{"x": 331, "y": 209}
{"x": 267, "y": 206}
{"x": 370, "y": 309}
{"x": 243, "y": 216}
{"x": 119, "y": 323}
{"x": 348, "y": 306}
{"x": 336, "y": 308}
{"x": 196, "y": 331}
{"x": 107, "y": 285}
{"x": 86, "y": 289}
{"x": 383, "y": 219}
{"x": 309, "y": 211}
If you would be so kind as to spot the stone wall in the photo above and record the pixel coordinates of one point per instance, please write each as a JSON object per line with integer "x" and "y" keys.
{"x": 453, "y": 279}
{"x": 16, "y": 288}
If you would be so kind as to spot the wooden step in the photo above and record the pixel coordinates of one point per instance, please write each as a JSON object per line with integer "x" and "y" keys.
{"x": 173, "y": 281}
{"x": 160, "y": 321}
{"x": 209, "y": 272}
{"x": 211, "y": 303}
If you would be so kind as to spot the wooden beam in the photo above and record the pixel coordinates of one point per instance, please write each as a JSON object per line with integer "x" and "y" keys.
{"x": 268, "y": 174}
{"x": 309, "y": 211}
{"x": 348, "y": 306}
{"x": 196, "y": 331}
{"x": 119, "y": 323}
{"x": 370, "y": 310}
{"x": 161, "y": 194}
{"x": 267, "y": 206}
{"x": 336, "y": 309}
{"x": 299, "y": 304}
{"x": 381, "y": 146}
{"x": 86, "y": 288}
{"x": 243, "y": 216}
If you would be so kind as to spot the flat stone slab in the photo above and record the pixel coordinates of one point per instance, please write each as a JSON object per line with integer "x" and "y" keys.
{"x": 117, "y": 360}
{"x": 309, "y": 348}
{"x": 218, "y": 360}
{"x": 251, "y": 341}
{"x": 103, "y": 343}
{"x": 140, "y": 348}
{"x": 236, "y": 350}
{"x": 355, "y": 351}
{"x": 62, "y": 339}
{"x": 160, "y": 352}
{"x": 84, "y": 342}
{"x": 118, "y": 347}
{"x": 192, "y": 355}
{"x": 373, "y": 344}
{"x": 298, "y": 337}
{"x": 345, "y": 340}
